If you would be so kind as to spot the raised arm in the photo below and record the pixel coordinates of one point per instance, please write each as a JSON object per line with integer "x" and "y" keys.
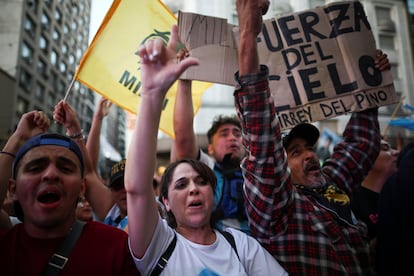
{"x": 159, "y": 70}
{"x": 30, "y": 124}
{"x": 93, "y": 142}
{"x": 98, "y": 195}
{"x": 250, "y": 25}
{"x": 184, "y": 144}
{"x": 266, "y": 187}
{"x": 353, "y": 158}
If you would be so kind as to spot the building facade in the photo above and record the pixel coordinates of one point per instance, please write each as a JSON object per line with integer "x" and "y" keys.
{"x": 42, "y": 42}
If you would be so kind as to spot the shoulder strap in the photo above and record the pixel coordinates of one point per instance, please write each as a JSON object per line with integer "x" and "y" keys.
{"x": 58, "y": 260}
{"x": 229, "y": 237}
{"x": 163, "y": 260}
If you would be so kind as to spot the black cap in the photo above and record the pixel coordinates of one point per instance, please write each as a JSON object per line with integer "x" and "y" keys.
{"x": 305, "y": 131}
{"x": 117, "y": 172}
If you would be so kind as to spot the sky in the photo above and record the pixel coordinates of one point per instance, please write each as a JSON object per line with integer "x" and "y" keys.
{"x": 98, "y": 11}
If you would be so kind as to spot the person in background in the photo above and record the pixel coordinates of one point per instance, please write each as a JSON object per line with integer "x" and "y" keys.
{"x": 93, "y": 143}
{"x": 365, "y": 200}
{"x": 395, "y": 225}
{"x": 190, "y": 241}
{"x": 297, "y": 210}
{"x": 117, "y": 215}
{"x": 324, "y": 151}
{"x": 84, "y": 210}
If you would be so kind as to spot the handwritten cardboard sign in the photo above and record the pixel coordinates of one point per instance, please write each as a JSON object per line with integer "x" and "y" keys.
{"x": 321, "y": 61}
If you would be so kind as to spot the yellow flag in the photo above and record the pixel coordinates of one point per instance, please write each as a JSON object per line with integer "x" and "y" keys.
{"x": 110, "y": 66}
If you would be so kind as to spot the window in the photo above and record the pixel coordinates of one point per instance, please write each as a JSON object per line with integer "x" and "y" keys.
{"x": 45, "y": 20}
{"x": 65, "y": 48}
{"x": 32, "y": 4}
{"x": 54, "y": 57}
{"x": 71, "y": 59}
{"x": 385, "y": 22}
{"x": 81, "y": 90}
{"x": 78, "y": 54}
{"x": 80, "y": 38}
{"x": 66, "y": 29}
{"x": 386, "y": 41}
{"x": 29, "y": 26}
{"x": 53, "y": 79}
{"x": 74, "y": 25}
{"x": 58, "y": 16}
{"x": 27, "y": 53}
{"x": 62, "y": 67}
{"x": 25, "y": 80}
{"x": 61, "y": 87}
{"x": 56, "y": 35}
{"x": 75, "y": 9}
{"x": 386, "y": 28}
{"x": 43, "y": 43}
{"x": 69, "y": 77}
{"x": 21, "y": 106}
{"x": 39, "y": 91}
{"x": 68, "y": 12}
{"x": 41, "y": 67}
{"x": 411, "y": 6}
{"x": 51, "y": 100}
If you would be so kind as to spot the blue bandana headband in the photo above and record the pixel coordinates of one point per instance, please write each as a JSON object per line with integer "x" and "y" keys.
{"x": 43, "y": 140}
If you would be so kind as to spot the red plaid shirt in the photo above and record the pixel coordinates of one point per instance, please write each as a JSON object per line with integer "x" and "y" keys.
{"x": 305, "y": 235}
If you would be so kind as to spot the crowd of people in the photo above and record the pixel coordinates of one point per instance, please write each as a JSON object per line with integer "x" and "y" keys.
{"x": 255, "y": 203}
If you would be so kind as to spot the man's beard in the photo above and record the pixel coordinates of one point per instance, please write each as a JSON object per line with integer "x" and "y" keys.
{"x": 319, "y": 182}
{"x": 314, "y": 181}
{"x": 231, "y": 161}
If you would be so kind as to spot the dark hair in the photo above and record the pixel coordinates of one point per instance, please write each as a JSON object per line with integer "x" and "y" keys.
{"x": 404, "y": 152}
{"x": 222, "y": 120}
{"x": 204, "y": 172}
{"x": 154, "y": 183}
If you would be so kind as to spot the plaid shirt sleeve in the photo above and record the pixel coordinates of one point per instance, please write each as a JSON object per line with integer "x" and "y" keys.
{"x": 353, "y": 158}
{"x": 267, "y": 190}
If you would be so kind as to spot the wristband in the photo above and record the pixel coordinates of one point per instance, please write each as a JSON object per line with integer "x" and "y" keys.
{"x": 76, "y": 135}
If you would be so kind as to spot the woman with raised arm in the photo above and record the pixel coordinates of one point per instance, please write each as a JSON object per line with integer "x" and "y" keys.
{"x": 188, "y": 244}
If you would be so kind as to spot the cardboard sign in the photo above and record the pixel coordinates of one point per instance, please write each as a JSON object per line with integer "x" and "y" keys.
{"x": 321, "y": 61}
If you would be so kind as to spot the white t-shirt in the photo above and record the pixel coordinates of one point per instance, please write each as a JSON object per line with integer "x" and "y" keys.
{"x": 219, "y": 258}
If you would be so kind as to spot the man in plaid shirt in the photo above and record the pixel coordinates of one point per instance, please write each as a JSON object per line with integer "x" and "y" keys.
{"x": 299, "y": 211}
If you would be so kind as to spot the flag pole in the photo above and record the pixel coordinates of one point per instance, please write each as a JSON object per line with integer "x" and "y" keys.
{"x": 68, "y": 90}
{"x": 393, "y": 115}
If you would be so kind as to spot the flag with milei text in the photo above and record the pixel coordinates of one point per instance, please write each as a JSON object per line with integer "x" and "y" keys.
{"x": 111, "y": 66}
